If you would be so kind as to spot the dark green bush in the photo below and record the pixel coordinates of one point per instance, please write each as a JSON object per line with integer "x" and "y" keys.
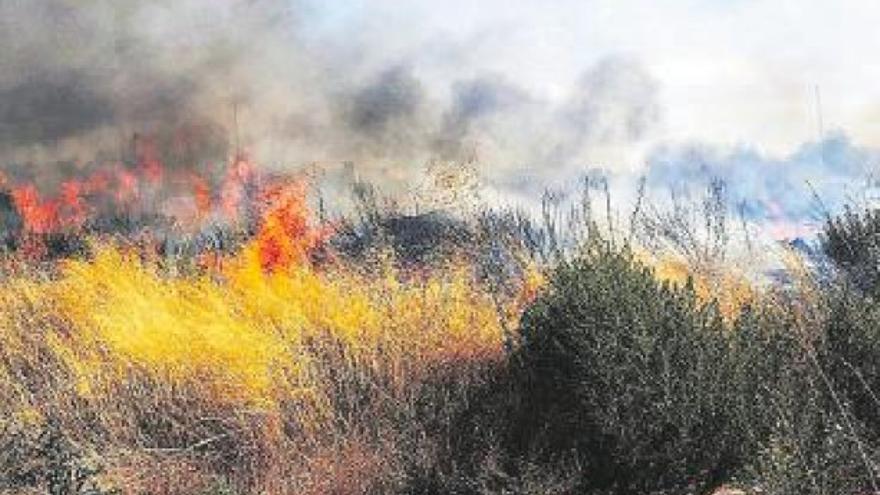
{"x": 851, "y": 241}
{"x": 652, "y": 392}
{"x": 794, "y": 437}
{"x": 630, "y": 374}
{"x": 853, "y": 355}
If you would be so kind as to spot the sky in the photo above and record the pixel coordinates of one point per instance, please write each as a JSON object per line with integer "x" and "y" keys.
{"x": 729, "y": 72}
{"x": 777, "y": 97}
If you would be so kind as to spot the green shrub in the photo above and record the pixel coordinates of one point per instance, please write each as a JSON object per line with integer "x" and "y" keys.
{"x": 630, "y": 374}
{"x": 853, "y": 355}
{"x": 851, "y": 241}
{"x": 800, "y": 368}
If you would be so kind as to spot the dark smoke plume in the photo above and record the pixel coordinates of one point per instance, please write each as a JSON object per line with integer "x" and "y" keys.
{"x": 80, "y": 79}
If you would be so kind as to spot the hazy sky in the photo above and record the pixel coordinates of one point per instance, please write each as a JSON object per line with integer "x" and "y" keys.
{"x": 728, "y": 71}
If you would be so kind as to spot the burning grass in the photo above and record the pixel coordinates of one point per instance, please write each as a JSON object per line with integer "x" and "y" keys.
{"x": 725, "y": 286}
{"x": 270, "y": 359}
{"x": 246, "y": 336}
{"x": 117, "y": 331}
{"x": 249, "y": 368}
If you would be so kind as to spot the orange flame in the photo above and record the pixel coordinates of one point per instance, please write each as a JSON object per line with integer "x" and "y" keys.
{"x": 202, "y": 195}
{"x": 285, "y": 238}
{"x": 39, "y": 216}
{"x": 239, "y": 175}
{"x": 74, "y": 211}
{"x": 127, "y": 187}
{"x": 148, "y": 160}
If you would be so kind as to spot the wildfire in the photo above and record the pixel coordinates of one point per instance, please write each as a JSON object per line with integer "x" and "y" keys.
{"x": 201, "y": 191}
{"x": 286, "y": 238}
{"x": 39, "y": 215}
{"x": 117, "y": 187}
{"x": 277, "y": 207}
{"x": 148, "y": 160}
{"x": 234, "y": 191}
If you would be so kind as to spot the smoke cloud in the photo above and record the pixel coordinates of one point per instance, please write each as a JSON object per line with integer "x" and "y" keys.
{"x": 78, "y": 80}
{"x": 793, "y": 191}
{"x": 299, "y": 82}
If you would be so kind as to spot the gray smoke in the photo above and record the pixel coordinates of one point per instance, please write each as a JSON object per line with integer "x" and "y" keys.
{"x": 816, "y": 179}
{"x": 474, "y": 104}
{"x": 614, "y": 101}
{"x": 44, "y": 108}
{"x": 385, "y": 113}
{"x": 79, "y": 79}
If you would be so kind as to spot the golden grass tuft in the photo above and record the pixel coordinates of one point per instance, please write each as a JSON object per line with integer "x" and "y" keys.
{"x": 725, "y": 286}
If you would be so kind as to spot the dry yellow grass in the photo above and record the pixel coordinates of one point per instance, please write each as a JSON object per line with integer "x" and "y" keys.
{"x": 263, "y": 359}
{"x": 244, "y": 335}
{"x": 726, "y": 286}
{"x": 132, "y": 358}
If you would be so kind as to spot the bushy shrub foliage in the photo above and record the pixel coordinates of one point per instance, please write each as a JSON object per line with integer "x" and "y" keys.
{"x": 629, "y": 373}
